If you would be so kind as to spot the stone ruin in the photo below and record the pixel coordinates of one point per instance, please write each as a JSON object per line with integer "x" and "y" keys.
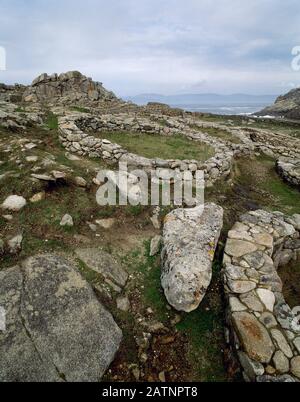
{"x": 263, "y": 330}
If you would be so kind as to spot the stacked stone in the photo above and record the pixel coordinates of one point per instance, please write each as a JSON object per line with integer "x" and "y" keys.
{"x": 74, "y": 139}
{"x": 289, "y": 170}
{"x": 262, "y": 328}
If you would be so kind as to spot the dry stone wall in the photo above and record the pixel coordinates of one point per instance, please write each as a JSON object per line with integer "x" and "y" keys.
{"x": 262, "y": 328}
{"x": 74, "y": 137}
{"x": 289, "y": 170}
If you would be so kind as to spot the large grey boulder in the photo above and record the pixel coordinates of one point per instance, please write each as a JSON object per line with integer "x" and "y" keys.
{"x": 190, "y": 237}
{"x": 56, "y": 330}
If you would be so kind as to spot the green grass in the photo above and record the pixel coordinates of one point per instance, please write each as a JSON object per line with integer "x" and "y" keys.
{"x": 157, "y": 146}
{"x": 79, "y": 109}
{"x": 222, "y": 134}
{"x": 204, "y": 329}
{"x": 272, "y": 192}
{"x": 51, "y": 121}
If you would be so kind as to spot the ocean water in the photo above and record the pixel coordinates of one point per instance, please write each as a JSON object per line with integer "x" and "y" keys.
{"x": 224, "y": 108}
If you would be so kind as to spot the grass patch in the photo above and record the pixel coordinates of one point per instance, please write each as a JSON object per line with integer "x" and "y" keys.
{"x": 204, "y": 329}
{"x": 79, "y": 109}
{"x": 157, "y": 146}
{"x": 222, "y": 134}
{"x": 51, "y": 121}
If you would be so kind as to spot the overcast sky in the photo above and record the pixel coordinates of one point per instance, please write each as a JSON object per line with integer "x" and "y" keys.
{"x": 157, "y": 46}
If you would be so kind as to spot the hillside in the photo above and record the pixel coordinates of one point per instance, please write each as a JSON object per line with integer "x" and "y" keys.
{"x": 178, "y": 289}
{"x": 287, "y": 106}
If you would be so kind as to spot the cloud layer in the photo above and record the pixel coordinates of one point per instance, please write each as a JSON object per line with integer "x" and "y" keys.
{"x": 169, "y": 46}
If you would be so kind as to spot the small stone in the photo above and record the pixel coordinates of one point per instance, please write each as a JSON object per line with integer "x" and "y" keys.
{"x": 31, "y": 159}
{"x": 241, "y": 286}
{"x": 80, "y": 181}
{"x": 155, "y": 245}
{"x": 268, "y": 320}
{"x": 251, "y": 367}
{"x": 281, "y": 363}
{"x": 155, "y": 222}
{"x": 281, "y": 342}
{"x": 15, "y": 244}
{"x": 236, "y": 305}
{"x": 162, "y": 376}
{"x": 252, "y": 302}
{"x": 106, "y": 223}
{"x": 67, "y": 220}
{"x": 136, "y": 373}
{"x": 267, "y": 297}
{"x": 14, "y": 203}
{"x": 297, "y": 344}
{"x": 238, "y": 248}
{"x": 264, "y": 239}
{"x": 38, "y": 197}
{"x": 270, "y": 370}
{"x": 295, "y": 366}
{"x": 123, "y": 303}
{"x": 7, "y": 217}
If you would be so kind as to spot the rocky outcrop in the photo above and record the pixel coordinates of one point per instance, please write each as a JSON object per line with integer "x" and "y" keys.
{"x": 11, "y": 93}
{"x": 190, "y": 237}
{"x": 262, "y": 328}
{"x": 56, "y": 330}
{"x": 287, "y": 106}
{"x": 70, "y": 87}
{"x": 289, "y": 170}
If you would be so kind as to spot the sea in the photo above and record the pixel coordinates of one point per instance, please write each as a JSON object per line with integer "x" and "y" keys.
{"x": 243, "y": 109}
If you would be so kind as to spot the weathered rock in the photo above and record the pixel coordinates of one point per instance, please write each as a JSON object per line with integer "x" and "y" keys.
{"x": 15, "y": 244}
{"x": 123, "y": 303}
{"x": 238, "y": 248}
{"x": 56, "y": 328}
{"x": 253, "y": 336}
{"x": 251, "y": 367}
{"x": 267, "y": 297}
{"x": 106, "y": 223}
{"x": 155, "y": 245}
{"x": 67, "y": 220}
{"x": 103, "y": 263}
{"x": 190, "y": 238}
{"x": 281, "y": 363}
{"x": 281, "y": 342}
{"x": 295, "y": 366}
{"x": 14, "y": 203}
{"x": 38, "y": 197}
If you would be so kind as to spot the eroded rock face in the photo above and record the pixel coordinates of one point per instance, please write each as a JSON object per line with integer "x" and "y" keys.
{"x": 56, "y": 330}
{"x": 190, "y": 237}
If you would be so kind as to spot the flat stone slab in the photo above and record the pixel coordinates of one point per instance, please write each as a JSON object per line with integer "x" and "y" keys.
{"x": 56, "y": 329}
{"x": 253, "y": 336}
{"x": 190, "y": 237}
{"x": 103, "y": 263}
